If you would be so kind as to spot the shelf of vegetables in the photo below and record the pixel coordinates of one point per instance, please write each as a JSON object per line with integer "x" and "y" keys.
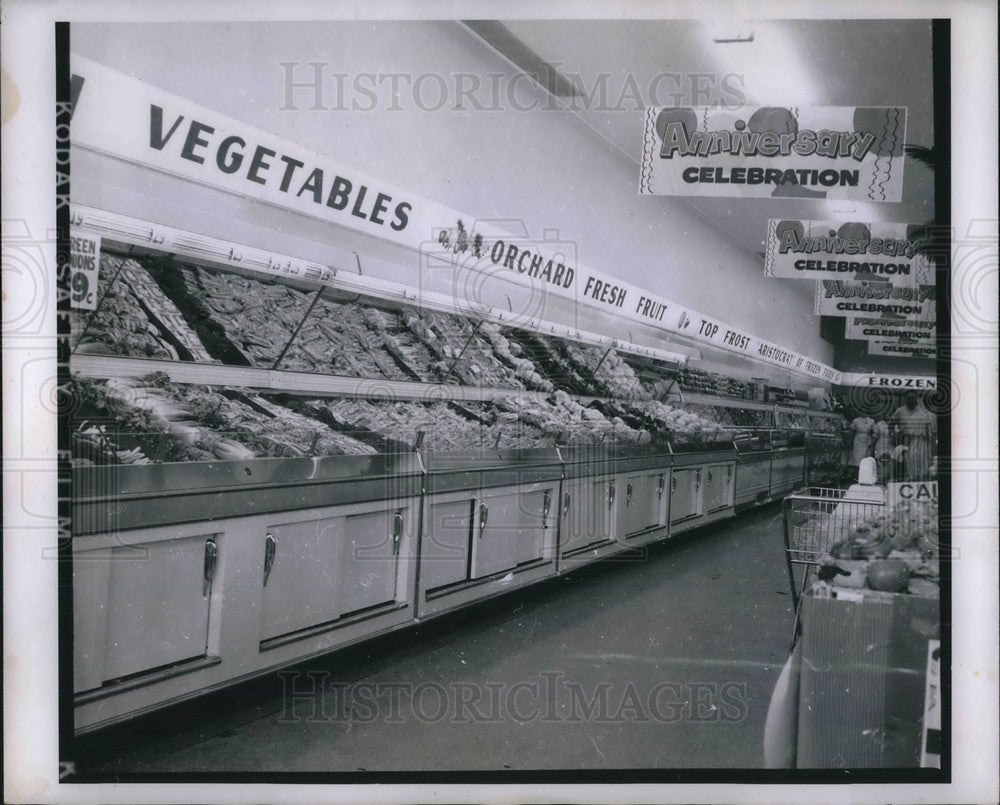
{"x": 318, "y": 468}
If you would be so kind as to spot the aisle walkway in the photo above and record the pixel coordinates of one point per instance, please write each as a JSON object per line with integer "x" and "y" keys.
{"x": 668, "y": 662}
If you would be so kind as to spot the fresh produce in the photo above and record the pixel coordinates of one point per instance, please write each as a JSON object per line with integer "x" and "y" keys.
{"x": 155, "y": 420}
{"x": 888, "y": 575}
{"x": 607, "y": 369}
{"x": 898, "y": 548}
{"x": 699, "y": 381}
{"x": 854, "y": 573}
{"x": 681, "y": 424}
{"x": 134, "y": 318}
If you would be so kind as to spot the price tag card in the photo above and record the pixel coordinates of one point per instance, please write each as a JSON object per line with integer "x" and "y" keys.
{"x": 84, "y": 265}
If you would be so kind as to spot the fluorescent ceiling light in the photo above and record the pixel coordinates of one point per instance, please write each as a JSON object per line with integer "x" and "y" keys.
{"x": 771, "y": 62}
{"x": 729, "y": 31}
{"x": 854, "y": 211}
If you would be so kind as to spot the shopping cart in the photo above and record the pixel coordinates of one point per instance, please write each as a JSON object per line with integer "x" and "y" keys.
{"x": 817, "y": 517}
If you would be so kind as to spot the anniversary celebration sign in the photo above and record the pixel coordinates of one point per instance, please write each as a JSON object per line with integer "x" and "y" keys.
{"x": 902, "y": 349}
{"x": 128, "y": 119}
{"x": 877, "y": 298}
{"x": 798, "y": 249}
{"x": 822, "y": 152}
{"x": 882, "y": 328}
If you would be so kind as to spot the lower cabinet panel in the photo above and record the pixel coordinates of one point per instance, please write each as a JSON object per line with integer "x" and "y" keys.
{"x": 140, "y": 605}
{"x": 511, "y": 528}
{"x": 718, "y": 487}
{"x": 166, "y": 613}
{"x": 685, "y": 496}
{"x": 369, "y": 575}
{"x": 444, "y": 548}
{"x": 477, "y": 543}
{"x": 644, "y": 506}
{"x": 588, "y": 514}
{"x": 753, "y": 481}
{"x": 787, "y": 473}
{"x": 300, "y": 577}
{"x": 330, "y": 564}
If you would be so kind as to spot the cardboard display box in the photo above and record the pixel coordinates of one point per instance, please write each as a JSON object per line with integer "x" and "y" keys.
{"x": 862, "y": 679}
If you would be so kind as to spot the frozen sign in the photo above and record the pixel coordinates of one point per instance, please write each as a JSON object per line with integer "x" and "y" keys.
{"x": 826, "y": 250}
{"x": 820, "y": 152}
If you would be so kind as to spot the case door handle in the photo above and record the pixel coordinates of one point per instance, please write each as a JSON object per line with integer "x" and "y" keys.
{"x": 270, "y": 548}
{"x": 697, "y": 480}
{"x": 566, "y": 502}
{"x": 397, "y": 532}
{"x": 611, "y": 494}
{"x": 546, "y": 506}
{"x": 710, "y": 476}
{"x": 729, "y": 474}
{"x": 673, "y": 483}
{"x": 628, "y": 493}
{"x": 211, "y": 559}
{"x": 484, "y": 515}
{"x": 660, "y": 484}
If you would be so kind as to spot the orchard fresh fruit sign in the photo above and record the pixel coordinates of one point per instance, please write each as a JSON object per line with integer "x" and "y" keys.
{"x": 817, "y": 152}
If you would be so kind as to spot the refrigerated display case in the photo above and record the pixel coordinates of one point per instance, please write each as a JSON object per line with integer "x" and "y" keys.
{"x": 268, "y": 468}
{"x": 788, "y": 462}
{"x": 187, "y": 577}
{"x": 753, "y": 462}
{"x": 489, "y": 524}
{"x": 702, "y": 484}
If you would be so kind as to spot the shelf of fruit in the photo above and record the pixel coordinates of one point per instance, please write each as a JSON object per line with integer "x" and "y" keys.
{"x": 152, "y": 420}
{"x": 156, "y": 307}
{"x": 242, "y": 321}
{"x": 700, "y": 381}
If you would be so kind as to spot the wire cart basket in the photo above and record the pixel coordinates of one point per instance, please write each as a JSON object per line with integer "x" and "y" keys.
{"x": 817, "y": 517}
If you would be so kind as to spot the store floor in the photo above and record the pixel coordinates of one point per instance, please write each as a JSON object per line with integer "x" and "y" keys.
{"x": 661, "y": 662}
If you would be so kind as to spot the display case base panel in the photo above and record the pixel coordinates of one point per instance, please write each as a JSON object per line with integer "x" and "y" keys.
{"x": 589, "y": 554}
{"x": 697, "y": 522}
{"x": 444, "y": 599}
{"x": 164, "y": 687}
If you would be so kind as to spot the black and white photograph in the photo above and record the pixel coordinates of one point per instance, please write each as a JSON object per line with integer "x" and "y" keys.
{"x": 480, "y": 403}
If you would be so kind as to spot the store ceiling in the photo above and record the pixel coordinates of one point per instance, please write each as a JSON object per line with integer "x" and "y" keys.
{"x": 814, "y": 62}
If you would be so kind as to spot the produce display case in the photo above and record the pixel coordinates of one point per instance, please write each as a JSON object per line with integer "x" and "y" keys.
{"x": 187, "y": 577}
{"x": 490, "y": 520}
{"x": 823, "y": 450}
{"x": 158, "y": 307}
{"x": 788, "y": 462}
{"x": 702, "y": 484}
{"x": 753, "y": 460}
{"x": 614, "y": 497}
{"x": 291, "y": 467}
